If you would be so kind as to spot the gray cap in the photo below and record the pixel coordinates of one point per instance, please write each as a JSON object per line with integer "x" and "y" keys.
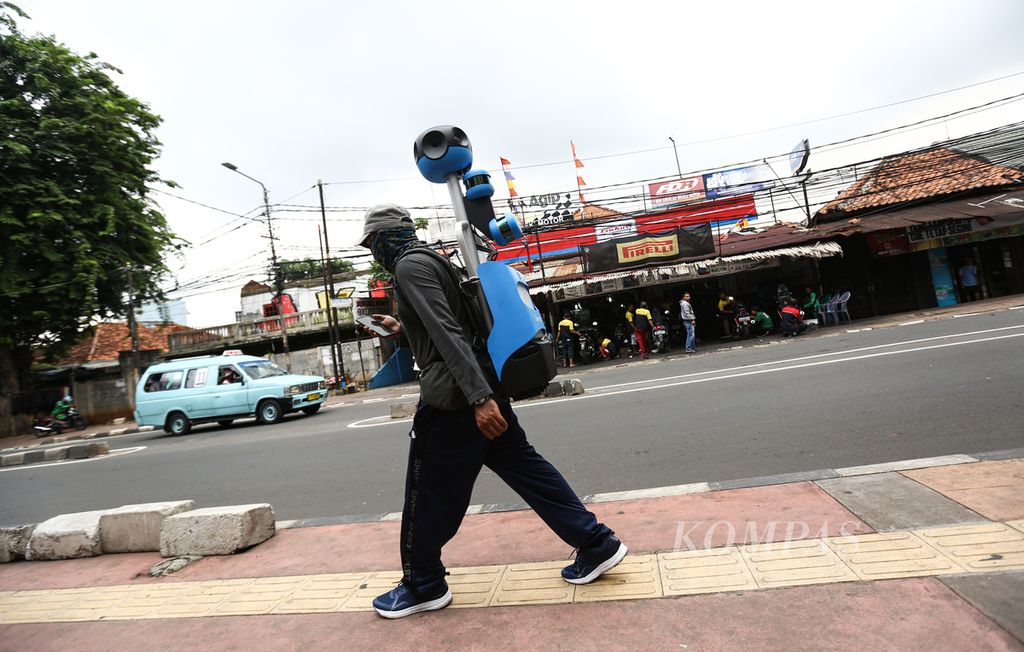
{"x": 382, "y": 217}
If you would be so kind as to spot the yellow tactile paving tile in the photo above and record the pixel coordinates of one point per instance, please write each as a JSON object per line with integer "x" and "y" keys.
{"x": 704, "y": 571}
{"x": 363, "y": 595}
{"x": 474, "y": 587}
{"x": 791, "y": 563}
{"x": 931, "y": 551}
{"x": 322, "y": 594}
{"x": 984, "y": 547}
{"x": 891, "y": 555}
{"x": 539, "y": 583}
{"x": 636, "y": 577}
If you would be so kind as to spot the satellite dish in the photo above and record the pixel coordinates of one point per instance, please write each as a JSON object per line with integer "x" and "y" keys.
{"x": 798, "y": 157}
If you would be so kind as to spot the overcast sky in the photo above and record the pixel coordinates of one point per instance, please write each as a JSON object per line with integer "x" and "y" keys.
{"x": 292, "y": 92}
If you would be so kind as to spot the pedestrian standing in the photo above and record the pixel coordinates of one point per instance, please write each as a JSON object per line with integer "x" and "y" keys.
{"x": 462, "y": 423}
{"x": 725, "y": 313}
{"x": 969, "y": 281}
{"x": 643, "y": 322}
{"x": 566, "y": 339}
{"x": 689, "y": 322}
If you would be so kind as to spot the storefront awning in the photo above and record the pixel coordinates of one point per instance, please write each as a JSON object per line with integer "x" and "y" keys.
{"x": 699, "y": 269}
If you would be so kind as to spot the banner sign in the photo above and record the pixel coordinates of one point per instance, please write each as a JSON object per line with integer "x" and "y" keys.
{"x": 936, "y": 230}
{"x": 618, "y": 229}
{"x": 647, "y": 249}
{"x": 720, "y": 214}
{"x": 738, "y": 180}
{"x": 676, "y": 191}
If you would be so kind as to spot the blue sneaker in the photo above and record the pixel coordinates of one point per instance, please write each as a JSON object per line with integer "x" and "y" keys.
{"x": 401, "y": 601}
{"x": 590, "y": 564}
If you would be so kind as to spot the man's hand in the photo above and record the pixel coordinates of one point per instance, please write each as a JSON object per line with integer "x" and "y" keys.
{"x": 388, "y": 321}
{"x": 489, "y": 419}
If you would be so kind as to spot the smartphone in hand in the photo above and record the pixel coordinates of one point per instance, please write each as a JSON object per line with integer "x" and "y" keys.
{"x": 374, "y": 326}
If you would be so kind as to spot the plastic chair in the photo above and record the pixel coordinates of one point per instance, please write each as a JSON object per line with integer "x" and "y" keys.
{"x": 828, "y": 308}
{"x": 841, "y": 310}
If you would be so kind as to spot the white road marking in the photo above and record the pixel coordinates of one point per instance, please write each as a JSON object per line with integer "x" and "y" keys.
{"x": 806, "y": 357}
{"x": 912, "y": 323}
{"x": 384, "y": 420}
{"x": 43, "y": 465}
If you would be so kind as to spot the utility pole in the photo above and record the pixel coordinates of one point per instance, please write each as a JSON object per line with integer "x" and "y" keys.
{"x": 336, "y": 354}
{"x": 278, "y": 279}
{"x": 133, "y": 328}
{"x": 330, "y": 311}
{"x": 675, "y": 149}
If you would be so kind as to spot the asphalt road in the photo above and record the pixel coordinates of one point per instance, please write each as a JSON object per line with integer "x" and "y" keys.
{"x": 829, "y": 400}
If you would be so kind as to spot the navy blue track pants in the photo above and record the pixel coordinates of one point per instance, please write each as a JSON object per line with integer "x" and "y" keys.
{"x": 446, "y": 454}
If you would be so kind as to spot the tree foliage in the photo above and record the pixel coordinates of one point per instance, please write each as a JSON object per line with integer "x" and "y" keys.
{"x": 298, "y": 270}
{"x": 76, "y": 155}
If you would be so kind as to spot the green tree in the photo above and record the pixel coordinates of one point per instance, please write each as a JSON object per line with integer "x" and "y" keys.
{"x": 298, "y": 270}
{"x": 76, "y": 156}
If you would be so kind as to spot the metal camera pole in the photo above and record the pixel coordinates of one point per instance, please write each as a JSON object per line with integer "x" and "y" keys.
{"x": 463, "y": 229}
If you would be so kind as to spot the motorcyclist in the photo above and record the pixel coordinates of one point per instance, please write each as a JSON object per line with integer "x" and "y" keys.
{"x": 60, "y": 410}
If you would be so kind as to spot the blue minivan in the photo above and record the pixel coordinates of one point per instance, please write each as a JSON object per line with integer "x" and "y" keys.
{"x": 175, "y": 395}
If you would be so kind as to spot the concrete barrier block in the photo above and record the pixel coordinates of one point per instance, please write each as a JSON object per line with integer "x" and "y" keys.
{"x": 554, "y": 389}
{"x": 572, "y": 387}
{"x": 13, "y": 541}
{"x": 216, "y": 530}
{"x": 136, "y": 528}
{"x": 55, "y": 454}
{"x": 78, "y": 451}
{"x": 95, "y": 448}
{"x": 32, "y": 457}
{"x": 12, "y": 459}
{"x": 67, "y": 536}
{"x": 403, "y": 410}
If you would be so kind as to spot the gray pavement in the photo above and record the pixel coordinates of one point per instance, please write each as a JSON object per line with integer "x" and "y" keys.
{"x": 832, "y": 400}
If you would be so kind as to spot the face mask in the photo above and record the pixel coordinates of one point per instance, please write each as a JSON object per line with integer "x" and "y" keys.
{"x": 389, "y": 244}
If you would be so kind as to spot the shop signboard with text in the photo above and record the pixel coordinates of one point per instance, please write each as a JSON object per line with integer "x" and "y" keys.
{"x": 676, "y": 191}
{"x": 648, "y": 249}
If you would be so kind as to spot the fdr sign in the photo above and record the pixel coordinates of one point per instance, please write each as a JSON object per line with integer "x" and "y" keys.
{"x": 676, "y": 191}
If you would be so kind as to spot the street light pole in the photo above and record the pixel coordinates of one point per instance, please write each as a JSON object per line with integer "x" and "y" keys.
{"x": 334, "y": 331}
{"x": 675, "y": 149}
{"x": 278, "y": 280}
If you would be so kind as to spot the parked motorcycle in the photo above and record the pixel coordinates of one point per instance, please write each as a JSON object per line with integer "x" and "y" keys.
{"x": 589, "y": 344}
{"x": 659, "y": 340}
{"x": 744, "y": 322}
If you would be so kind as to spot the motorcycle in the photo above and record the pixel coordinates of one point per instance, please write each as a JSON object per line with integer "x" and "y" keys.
{"x": 46, "y": 426}
{"x": 659, "y": 341}
{"x": 744, "y": 322}
{"x": 589, "y": 345}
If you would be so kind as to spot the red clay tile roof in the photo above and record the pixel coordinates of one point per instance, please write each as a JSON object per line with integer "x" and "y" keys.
{"x": 254, "y": 287}
{"x": 594, "y": 212}
{"x": 105, "y": 341}
{"x": 915, "y": 176}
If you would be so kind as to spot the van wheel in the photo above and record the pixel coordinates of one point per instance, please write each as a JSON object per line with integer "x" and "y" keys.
{"x": 268, "y": 411}
{"x": 224, "y": 423}
{"x": 311, "y": 410}
{"x": 177, "y": 424}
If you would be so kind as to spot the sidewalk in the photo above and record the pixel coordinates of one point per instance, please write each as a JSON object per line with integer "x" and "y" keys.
{"x": 923, "y": 554}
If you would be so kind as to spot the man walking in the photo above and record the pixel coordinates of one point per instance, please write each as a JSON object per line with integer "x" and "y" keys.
{"x": 461, "y": 424}
{"x": 969, "y": 281}
{"x": 689, "y": 322}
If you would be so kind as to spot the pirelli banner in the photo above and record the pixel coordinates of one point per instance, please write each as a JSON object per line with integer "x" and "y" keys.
{"x": 648, "y": 249}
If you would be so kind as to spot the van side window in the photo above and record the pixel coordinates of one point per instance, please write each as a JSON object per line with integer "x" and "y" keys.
{"x": 196, "y": 377}
{"x": 228, "y": 375}
{"x": 162, "y": 382}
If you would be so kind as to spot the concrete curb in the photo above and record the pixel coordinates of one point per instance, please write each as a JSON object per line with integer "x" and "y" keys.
{"x": 61, "y": 439}
{"x": 693, "y": 488}
{"x": 555, "y": 389}
{"x": 73, "y": 452}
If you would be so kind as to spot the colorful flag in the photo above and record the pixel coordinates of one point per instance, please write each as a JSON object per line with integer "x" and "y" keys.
{"x": 509, "y": 179}
{"x": 579, "y": 180}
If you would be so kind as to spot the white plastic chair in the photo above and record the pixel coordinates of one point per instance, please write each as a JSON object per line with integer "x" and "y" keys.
{"x": 840, "y": 308}
{"x": 829, "y": 308}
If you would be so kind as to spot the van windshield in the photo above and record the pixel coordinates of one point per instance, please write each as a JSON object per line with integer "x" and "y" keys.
{"x": 262, "y": 369}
